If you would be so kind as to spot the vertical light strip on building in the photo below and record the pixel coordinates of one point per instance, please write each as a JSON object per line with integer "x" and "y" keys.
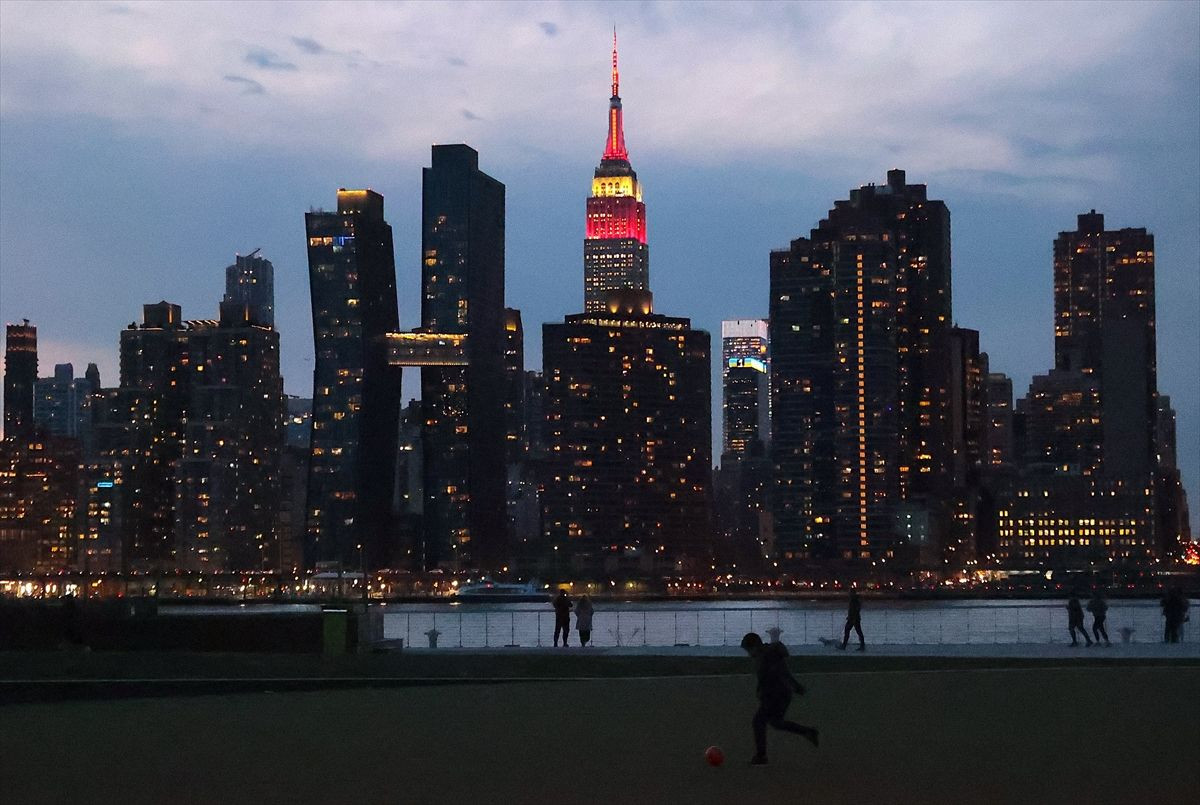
{"x": 862, "y": 409}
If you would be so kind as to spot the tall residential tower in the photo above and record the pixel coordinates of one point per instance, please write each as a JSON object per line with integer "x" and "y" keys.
{"x": 356, "y": 392}
{"x": 20, "y": 375}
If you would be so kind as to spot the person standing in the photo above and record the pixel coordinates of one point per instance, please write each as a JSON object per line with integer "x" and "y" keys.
{"x": 583, "y": 619}
{"x": 775, "y": 687}
{"x": 1099, "y": 609}
{"x": 854, "y": 621}
{"x": 1175, "y": 607}
{"x": 562, "y": 617}
{"x": 1075, "y": 620}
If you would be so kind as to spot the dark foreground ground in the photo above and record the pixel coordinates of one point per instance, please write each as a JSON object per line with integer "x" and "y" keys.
{"x": 1023, "y": 735}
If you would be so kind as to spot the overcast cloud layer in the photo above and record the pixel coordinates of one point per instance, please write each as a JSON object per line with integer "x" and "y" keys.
{"x": 143, "y": 144}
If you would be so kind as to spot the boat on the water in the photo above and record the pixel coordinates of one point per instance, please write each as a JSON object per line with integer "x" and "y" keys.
{"x": 488, "y": 590}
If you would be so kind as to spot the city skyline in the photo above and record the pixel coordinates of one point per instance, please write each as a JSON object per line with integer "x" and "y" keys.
{"x": 1005, "y": 214}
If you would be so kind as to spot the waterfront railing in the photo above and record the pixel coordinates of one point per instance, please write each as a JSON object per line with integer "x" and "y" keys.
{"x": 965, "y": 625}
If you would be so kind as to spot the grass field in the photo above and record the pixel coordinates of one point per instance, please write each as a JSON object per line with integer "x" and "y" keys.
{"x": 1088, "y": 735}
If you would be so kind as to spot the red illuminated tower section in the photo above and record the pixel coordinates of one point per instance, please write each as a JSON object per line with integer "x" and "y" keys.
{"x": 615, "y": 254}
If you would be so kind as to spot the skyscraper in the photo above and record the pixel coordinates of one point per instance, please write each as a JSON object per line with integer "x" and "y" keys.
{"x": 462, "y": 279}
{"x": 746, "y": 384}
{"x": 1104, "y": 328}
{"x": 202, "y": 404}
{"x": 20, "y": 375}
{"x": 356, "y": 392}
{"x": 250, "y": 281}
{"x": 1093, "y": 486}
{"x": 628, "y": 417}
{"x": 860, "y": 327}
{"x": 628, "y": 473}
{"x": 615, "y": 254}
{"x": 968, "y": 404}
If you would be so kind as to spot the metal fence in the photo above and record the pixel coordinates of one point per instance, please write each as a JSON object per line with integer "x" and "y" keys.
{"x": 725, "y": 626}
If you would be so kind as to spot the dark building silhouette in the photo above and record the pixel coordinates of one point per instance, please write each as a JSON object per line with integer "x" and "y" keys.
{"x": 1095, "y": 485}
{"x": 515, "y": 441}
{"x": 462, "y": 246}
{"x": 60, "y": 402}
{"x": 193, "y": 435}
{"x": 356, "y": 392}
{"x": 741, "y": 489}
{"x": 250, "y": 281}
{"x": 20, "y": 375}
{"x": 628, "y": 419}
{"x": 860, "y": 346}
{"x": 410, "y": 493}
{"x": 1174, "y": 521}
{"x": 293, "y": 503}
{"x": 968, "y": 405}
{"x": 535, "y": 415}
{"x": 1062, "y": 428}
{"x": 615, "y": 253}
{"x": 1104, "y": 329}
{"x": 998, "y": 437}
{"x": 522, "y": 501}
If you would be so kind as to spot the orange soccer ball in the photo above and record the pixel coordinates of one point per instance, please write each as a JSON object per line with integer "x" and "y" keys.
{"x": 714, "y": 756}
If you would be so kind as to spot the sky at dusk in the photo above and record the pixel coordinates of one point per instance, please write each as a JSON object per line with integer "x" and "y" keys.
{"x": 142, "y": 145}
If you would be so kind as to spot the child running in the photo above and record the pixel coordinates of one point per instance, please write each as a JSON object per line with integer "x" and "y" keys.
{"x": 775, "y": 687}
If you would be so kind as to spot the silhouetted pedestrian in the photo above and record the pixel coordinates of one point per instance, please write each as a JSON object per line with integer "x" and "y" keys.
{"x": 775, "y": 687}
{"x": 562, "y": 617}
{"x": 1075, "y": 620}
{"x": 583, "y": 619}
{"x": 854, "y": 621}
{"x": 1099, "y": 609}
{"x": 1175, "y": 607}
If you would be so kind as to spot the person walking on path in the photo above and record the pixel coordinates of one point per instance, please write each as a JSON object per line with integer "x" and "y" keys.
{"x": 562, "y": 617}
{"x": 1075, "y": 620}
{"x": 1099, "y": 609}
{"x": 583, "y": 619}
{"x": 775, "y": 688}
{"x": 854, "y": 621}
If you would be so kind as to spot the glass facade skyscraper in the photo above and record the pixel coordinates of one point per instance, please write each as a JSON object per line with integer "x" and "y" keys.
{"x": 356, "y": 392}
{"x": 462, "y": 281}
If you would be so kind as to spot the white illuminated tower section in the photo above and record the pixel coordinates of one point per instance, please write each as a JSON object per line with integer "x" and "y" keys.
{"x": 615, "y": 254}
{"x": 745, "y": 384}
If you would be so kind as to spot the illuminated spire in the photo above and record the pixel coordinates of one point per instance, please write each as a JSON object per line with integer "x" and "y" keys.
{"x": 614, "y": 146}
{"x": 616, "y": 76}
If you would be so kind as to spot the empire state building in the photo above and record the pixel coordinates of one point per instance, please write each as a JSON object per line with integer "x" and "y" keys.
{"x": 615, "y": 254}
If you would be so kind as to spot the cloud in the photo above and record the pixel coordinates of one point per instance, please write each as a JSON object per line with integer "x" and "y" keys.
{"x": 309, "y": 45}
{"x": 469, "y": 115}
{"x": 267, "y": 60}
{"x": 956, "y": 89}
{"x": 249, "y": 85}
